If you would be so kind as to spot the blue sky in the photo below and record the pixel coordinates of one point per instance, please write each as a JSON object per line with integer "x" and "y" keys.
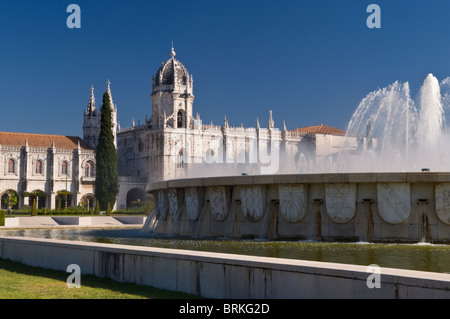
{"x": 311, "y": 62}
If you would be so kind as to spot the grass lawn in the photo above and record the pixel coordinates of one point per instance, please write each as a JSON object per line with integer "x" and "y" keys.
{"x": 18, "y": 281}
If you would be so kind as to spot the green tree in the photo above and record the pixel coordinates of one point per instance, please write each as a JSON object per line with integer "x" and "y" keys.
{"x": 2, "y": 218}
{"x": 34, "y": 196}
{"x": 34, "y": 208}
{"x": 62, "y": 196}
{"x": 148, "y": 205}
{"x": 10, "y": 201}
{"x": 108, "y": 210}
{"x": 107, "y": 177}
{"x": 97, "y": 207}
{"x": 83, "y": 204}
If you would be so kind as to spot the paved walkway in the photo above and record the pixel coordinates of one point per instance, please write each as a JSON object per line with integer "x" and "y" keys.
{"x": 73, "y": 221}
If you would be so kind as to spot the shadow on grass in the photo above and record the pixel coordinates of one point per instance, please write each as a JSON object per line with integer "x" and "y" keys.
{"x": 95, "y": 282}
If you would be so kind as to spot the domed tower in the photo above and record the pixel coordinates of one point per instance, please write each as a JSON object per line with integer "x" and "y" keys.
{"x": 172, "y": 95}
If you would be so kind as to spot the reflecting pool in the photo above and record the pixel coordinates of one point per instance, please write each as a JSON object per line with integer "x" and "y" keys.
{"x": 425, "y": 257}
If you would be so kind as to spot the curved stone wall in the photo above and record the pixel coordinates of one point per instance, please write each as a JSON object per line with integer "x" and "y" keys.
{"x": 378, "y": 207}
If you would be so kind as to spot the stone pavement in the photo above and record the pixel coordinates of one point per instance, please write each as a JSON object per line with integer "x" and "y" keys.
{"x": 73, "y": 221}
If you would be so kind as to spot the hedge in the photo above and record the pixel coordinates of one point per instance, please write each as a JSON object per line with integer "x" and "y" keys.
{"x": 2, "y": 218}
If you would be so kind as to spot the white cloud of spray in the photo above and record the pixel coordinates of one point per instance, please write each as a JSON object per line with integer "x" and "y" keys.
{"x": 217, "y": 154}
{"x": 407, "y": 135}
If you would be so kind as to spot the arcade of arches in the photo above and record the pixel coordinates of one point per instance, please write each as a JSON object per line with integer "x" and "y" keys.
{"x": 135, "y": 197}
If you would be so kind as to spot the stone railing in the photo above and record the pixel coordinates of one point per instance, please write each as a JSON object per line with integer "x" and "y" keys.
{"x": 88, "y": 179}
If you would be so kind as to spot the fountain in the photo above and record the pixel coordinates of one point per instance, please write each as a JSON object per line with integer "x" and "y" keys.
{"x": 400, "y": 136}
{"x": 394, "y": 188}
{"x": 391, "y": 192}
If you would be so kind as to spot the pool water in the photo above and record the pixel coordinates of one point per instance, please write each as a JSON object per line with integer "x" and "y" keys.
{"x": 425, "y": 257}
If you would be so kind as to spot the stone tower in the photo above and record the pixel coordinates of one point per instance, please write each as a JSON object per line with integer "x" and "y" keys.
{"x": 172, "y": 95}
{"x": 92, "y": 116}
{"x": 91, "y": 122}
{"x": 113, "y": 113}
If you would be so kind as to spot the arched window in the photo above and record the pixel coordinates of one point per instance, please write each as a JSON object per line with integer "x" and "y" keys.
{"x": 11, "y": 166}
{"x": 88, "y": 201}
{"x": 89, "y": 169}
{"x": 38, "y": 167}
{"x": 64, "y": 168}
{"x": 180, "y": 119}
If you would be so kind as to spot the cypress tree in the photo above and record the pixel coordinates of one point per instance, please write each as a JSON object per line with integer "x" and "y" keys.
{"x": 59, "y": 204}
{"x": 108, "y": 210}
{"x": 107, "y": 176}
{"x": 97, "y": 207}
{"x": 34, "y": 208}
{"x": 2, "y": 218}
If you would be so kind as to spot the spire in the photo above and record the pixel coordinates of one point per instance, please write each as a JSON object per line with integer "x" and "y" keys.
{"x": 257, "y": 123}
{"x": 108, "y": 90}
{"x": 271, "y": 124}
{"x": 108, "y": 86}
{"x": 91, "y": 105}
{"x": 172, "y": 52}
{"x": 284, "y": 126}
{"x": 225, "y": 122}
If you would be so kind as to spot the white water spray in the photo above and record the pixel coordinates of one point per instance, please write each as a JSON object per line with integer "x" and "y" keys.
{"x": 396, "y": 135}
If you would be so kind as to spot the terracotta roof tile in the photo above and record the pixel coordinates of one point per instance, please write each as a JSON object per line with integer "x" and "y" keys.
{"x": 42, "y": 140}
{"x": 321, "y": 129}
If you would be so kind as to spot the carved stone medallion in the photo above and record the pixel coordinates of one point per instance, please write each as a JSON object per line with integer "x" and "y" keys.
{"x": 340, "y": 200}
{"x": 253, "y": 202}
{"x": 442, "y": 200}
{"x": 292, "y": 202}
{"x": 220, "y": 206}
{"x": 394, "y": 202}
{"x": 192, "y": 202}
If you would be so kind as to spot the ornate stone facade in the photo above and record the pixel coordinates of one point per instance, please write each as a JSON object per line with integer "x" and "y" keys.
{"x": 174, "y": 144}
{"x": 48, "y": 164}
